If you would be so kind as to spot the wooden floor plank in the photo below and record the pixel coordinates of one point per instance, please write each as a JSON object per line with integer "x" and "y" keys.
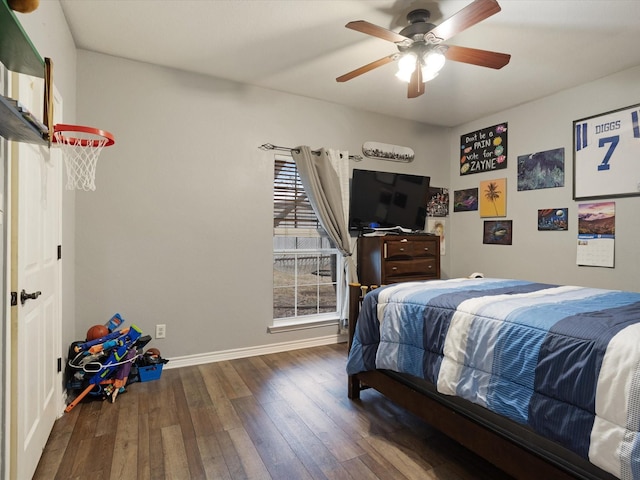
{"x": 213, "y": 458}
{"x": 205, "y": 420}
{"x": 252, "y": 465}
{"x": 316, "y": 458}
{"x": 194, "y": 462}
{"x": 59, "y": 439}
{"x": 328, "y": 431}
{"x": 174, "y": 453}
{"x": 359, "y": 470}
{"x": 144, "y": 454}
{"x": 406, "y": 462}
{"x": 125, "y": 452}
{"x": 257, "y": 376}
{"x": 195, "y": 389}
{"x": 276, "y": 416}
{"x": 381, "y": 468}
{"x": 211, "y": 376}
{"x": 233, "y": 383}
{"x": 276, "y": 454}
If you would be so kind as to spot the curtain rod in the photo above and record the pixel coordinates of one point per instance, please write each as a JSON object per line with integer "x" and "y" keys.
{"x": 269, "y": 146}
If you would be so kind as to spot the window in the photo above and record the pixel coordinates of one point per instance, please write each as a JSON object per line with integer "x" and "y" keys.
{"x": 306, "y": 266}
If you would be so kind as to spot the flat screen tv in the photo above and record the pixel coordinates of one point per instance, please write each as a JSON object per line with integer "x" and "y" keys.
{"x": 383, "y": 199}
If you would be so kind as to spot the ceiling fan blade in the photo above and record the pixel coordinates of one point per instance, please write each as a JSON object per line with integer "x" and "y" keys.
{"x": 416, "y": 85}
{"x": 467, "y": 17}
{"x": 474, "y": 56}
{"x": 366, "y": 68}
{"x": 376, "y": 31}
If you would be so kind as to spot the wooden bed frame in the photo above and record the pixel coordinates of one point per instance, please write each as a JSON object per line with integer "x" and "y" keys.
{"x": 513, "y": 451}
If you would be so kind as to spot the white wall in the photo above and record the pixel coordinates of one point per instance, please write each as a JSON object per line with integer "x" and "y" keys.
{"x": 179, "y": 229}
{"x": 547, "y": 256}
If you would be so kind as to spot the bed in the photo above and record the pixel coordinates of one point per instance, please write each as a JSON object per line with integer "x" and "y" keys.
{"x": 541, "y": 380}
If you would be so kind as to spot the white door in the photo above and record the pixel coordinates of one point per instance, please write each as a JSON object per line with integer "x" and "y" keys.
{"x": 35, "y": 270}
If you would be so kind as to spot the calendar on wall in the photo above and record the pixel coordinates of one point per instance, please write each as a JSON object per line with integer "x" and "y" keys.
{"x": 596, "y": 234}
{"x": 606, "y": 148}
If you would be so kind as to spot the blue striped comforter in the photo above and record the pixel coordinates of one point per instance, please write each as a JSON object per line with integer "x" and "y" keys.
{"x": 564, "y": 360}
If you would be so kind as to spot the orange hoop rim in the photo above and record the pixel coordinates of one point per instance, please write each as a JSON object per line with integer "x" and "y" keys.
{"x": 84, "y": 142}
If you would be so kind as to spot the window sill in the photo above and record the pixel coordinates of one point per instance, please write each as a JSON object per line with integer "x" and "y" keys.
{"x": 302, "y": 325}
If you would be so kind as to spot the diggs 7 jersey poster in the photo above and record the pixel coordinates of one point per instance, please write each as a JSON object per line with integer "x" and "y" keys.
{"x": 606, "y": 154}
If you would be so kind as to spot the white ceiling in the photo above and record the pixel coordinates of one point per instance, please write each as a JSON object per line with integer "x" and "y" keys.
{"x": 301, "y": 46}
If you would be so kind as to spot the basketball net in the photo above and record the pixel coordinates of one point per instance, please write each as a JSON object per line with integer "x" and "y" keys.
{"x": 81, "y": 154}
{"x": 80, "y": 161}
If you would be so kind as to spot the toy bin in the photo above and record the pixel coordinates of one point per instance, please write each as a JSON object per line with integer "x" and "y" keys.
{"x": 150, "y": 372}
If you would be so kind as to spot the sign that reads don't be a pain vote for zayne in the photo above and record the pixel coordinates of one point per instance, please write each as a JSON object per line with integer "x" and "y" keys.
{"x": 484, "y": 150}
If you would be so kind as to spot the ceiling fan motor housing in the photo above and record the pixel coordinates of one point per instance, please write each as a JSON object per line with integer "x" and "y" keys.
{"x": 416, "y": 30}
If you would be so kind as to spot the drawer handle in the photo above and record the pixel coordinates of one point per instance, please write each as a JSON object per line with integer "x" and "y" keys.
{"x": 430, "y": 267}
{"x": 394, "y": 268}
{"x": 402, "y": 249}
{"x": 426, "y": 249}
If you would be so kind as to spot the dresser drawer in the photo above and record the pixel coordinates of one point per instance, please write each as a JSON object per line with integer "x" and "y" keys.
{"x": 418, "y": 248}
{"x": 421, "y": 266}
{"x": 425, "y": 248}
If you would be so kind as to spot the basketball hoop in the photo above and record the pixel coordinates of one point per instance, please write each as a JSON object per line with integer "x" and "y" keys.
{"x": 80, "y": 153}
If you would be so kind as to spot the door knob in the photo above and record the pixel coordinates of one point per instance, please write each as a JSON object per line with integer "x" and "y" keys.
{"x": 24, "y": 296}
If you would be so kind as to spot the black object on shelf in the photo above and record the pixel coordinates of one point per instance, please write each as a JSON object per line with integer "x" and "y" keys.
{"x": 19, "y": 125}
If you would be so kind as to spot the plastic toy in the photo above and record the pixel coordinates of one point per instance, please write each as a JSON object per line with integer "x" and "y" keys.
{"x": 105, "y": 361}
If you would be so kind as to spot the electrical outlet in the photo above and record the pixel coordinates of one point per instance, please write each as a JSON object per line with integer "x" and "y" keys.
{"x": 161, "y": 331}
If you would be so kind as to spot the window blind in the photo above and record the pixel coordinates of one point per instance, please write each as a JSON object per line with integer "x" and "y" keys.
{"x": 291, "y": 207}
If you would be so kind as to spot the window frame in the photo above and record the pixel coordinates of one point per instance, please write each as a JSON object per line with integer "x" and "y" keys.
{"x": 306, "y": 230}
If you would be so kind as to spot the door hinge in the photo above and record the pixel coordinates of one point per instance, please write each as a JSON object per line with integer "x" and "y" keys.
{"x": 14, "y": 299}
{"x": 59, "y": 252}
{"x": 59, "y": 364}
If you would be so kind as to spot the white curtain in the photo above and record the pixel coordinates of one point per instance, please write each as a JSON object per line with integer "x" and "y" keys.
{"x": 325, "y": 176}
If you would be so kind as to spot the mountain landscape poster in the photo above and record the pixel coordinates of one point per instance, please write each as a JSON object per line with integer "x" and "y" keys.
{"x": 541, "y": 170}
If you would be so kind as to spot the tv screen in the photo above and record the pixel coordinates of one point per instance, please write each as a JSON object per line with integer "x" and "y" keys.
{"x": 383, "y": 199}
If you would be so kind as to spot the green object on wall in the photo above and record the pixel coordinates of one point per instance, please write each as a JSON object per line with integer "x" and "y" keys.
{"x": 17, "y": 53}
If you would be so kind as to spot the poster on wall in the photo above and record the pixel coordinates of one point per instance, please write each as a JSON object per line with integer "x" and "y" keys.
{"x": 605, "y": 155}
{"x": 596, "y": 234}
{"x": 541, "y": 170}
{"x": 436, "y": 225}
{"x": 553, "y": 219}
{"x": 497, "y": 232}
{"x": 465, "y": 200}
{"x": 493, "y": 198}
{"x": 484, "y": 150}
{"x": 438, "y": 202}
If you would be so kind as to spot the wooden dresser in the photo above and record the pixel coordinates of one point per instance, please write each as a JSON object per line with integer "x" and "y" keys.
{"x": 398, "y": 258}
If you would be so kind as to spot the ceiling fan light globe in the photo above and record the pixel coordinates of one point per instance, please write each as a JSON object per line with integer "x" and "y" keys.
{"x": 434, "y": 60}
{"x": 407, "y": 62}
{"x": 405, "y": 76}
{"x": 428, "y": 74}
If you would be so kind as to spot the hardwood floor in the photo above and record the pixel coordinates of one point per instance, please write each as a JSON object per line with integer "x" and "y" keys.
{"x": 278, "y": 416}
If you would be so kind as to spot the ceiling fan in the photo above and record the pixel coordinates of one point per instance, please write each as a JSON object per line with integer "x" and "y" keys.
{"x": 421, "y": 53}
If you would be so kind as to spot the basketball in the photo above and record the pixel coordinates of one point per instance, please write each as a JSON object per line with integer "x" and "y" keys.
{"x": 97, "y": 331}
{"x": 153, "y": 352}
{"x": 24, "y": 6}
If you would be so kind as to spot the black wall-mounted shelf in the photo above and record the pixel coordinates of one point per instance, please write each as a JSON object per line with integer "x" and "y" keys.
{"x": 18, "y": 54}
